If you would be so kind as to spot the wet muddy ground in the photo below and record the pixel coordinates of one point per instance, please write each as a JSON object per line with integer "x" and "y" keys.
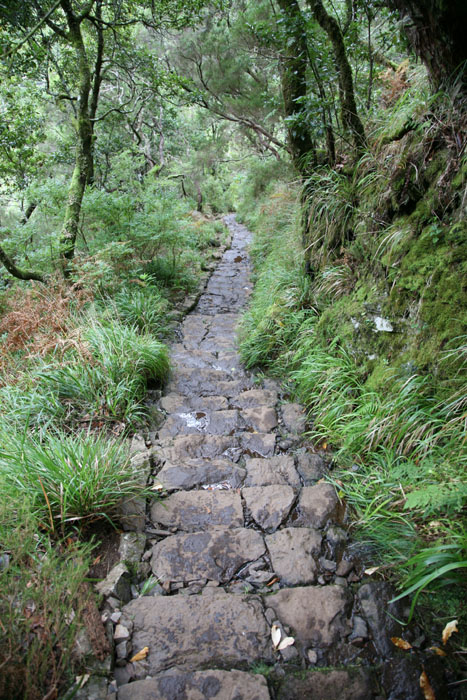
{"x": 258, "y": 596}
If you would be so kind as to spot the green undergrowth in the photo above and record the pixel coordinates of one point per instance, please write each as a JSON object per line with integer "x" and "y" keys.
{"x": 365, "y": 321}
{"x": 42, "y": 601}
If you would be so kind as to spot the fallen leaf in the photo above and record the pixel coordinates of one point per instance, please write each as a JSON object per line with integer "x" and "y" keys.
{"x": 401, "y": 643}
{"x": 372, "y": 570}
{"x": 275, "y": 636}
{"x": 438, "y": 651}
{"x": 272, "y": 581}
{"x": 82, "y": 680}
{"x": 140, "y": 655}
{"x": 324, "y": 445}
{"x": 286, "y": 642}
{"x": 427, "y": 690}
{"x": 450, "y": 628}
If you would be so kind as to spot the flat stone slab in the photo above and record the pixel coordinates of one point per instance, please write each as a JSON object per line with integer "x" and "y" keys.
{"x": 293, "y": 417}
{"x": 194, "y": 473}
{"x": 197, "y": 382}
{"x": 215, "y": 555}
{"x": 328, "y": 685}
{"x": 261, "y": 418}
{"x": 269, "y": 505}
{"x": 253, "y": 398}
{"x": 208, "y": 422}
{"x": 198, "y": 685}
{"x": 292, "y": 551}
{"x": 191, "y": 631}
{"x": 258, "y": 444}
{"x": 317, "y": 504}
{"x": 191, "y": 359}
{"x": 193, "y": 446}
{"x": 311, "y": 467}
{"x": 316, "y": 615}
{"x": 275, "y": 470}
{"x": 195, "y": 510}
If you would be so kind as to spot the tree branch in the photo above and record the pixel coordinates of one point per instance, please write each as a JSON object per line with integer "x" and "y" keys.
{"x": 16, "y": 271}
{"x": 32, "y": 32}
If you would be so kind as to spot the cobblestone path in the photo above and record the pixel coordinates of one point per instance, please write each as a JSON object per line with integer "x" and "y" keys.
{"x": 257, "y": 592}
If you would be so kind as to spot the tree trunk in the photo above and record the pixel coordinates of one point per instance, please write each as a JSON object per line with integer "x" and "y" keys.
{"x": 350, "y": 118}
{"x": 10, "y": 265}
{"x": 83, "y": 158}
{"x": 294, "y": 87}
{"x": 436, "y": 31}
{"x": 96, "y": 86}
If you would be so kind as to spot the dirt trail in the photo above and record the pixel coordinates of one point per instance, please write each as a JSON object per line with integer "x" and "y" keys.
{"x": 248, "y": 540}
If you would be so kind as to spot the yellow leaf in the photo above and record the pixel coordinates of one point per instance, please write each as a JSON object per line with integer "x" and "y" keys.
{"x": 427, "y": 690}
{"x": 286, "y": 642}
{"x": 438, "y": 651}
{"x": 140, "y": 655}
{"x": 372, "y": 570}
{"x": 275, "y": 636}
{"x": 450, "y": 628}
{"x": 401, "y": 643}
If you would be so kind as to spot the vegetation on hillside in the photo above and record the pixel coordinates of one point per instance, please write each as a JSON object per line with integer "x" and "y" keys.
{"x": 337, "y": 131}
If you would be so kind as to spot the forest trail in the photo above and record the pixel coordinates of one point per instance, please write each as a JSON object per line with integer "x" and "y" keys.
{"x": 247, "y": 540}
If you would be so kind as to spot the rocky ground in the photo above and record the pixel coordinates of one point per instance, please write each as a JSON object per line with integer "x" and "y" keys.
{"x": 257, "y": 594}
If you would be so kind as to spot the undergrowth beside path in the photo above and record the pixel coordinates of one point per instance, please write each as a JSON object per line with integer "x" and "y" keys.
{"x": 397, "y": 435}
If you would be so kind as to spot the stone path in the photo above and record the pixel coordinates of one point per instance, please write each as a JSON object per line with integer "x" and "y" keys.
{"x": 246, "y": 540}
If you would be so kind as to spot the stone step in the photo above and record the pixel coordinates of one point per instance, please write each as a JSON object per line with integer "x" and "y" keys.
{"x": 275, "y": 470}
{"x": 206, "y": 382}
{"x": 216, "y": 555}
{"x": 191, "y": 632}
{"x": 178, "y": 449}
{"x": 190, "y": 511}
{"x": 197, "y": 473}
{"x": 198, "y": 685}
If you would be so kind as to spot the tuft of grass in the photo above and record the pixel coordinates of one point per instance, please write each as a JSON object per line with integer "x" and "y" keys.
{"x": 68, "y": 480}
{"x": 41, "y": 603}
{"x": 143, "y": 308}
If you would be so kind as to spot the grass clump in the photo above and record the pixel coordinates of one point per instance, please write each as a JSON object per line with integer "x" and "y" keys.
{"x": 41, "y": 604}
{"x": 68, "y": 480}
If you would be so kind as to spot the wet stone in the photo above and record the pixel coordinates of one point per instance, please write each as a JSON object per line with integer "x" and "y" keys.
{"x": 333, "y": 685}
{"x": 294, "y": 418}
{"x": 254, "y": 397}
{"x": 292, "y": 551}
{"x": 192, "y": 422}
{"x": 269, "y": 505}
{"x": 258, "y": 444}
{"x": 262, "y": 418}
{"x": 217, "y": 629}
{"x": 199, "y": 382}
{"x": 317, "y": 504}
{"x": 194, "y": 446}
{"x": 275, "y": 470}
{"x": 216, "y": 554}
{"x": 195, "y": 510}
{"x": 316, "y": 616}
{"x": 199, "y": 685}
{"x": 194, "y": 473}
{"x": 311, "y": 467}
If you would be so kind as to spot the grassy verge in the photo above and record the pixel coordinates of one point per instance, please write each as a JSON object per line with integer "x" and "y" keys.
{"x": 398, "y": 444}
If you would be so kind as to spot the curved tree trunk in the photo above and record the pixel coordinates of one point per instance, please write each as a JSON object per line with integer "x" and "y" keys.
{"x": 350, "y": 117}
{"x": 17, "y": 272}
